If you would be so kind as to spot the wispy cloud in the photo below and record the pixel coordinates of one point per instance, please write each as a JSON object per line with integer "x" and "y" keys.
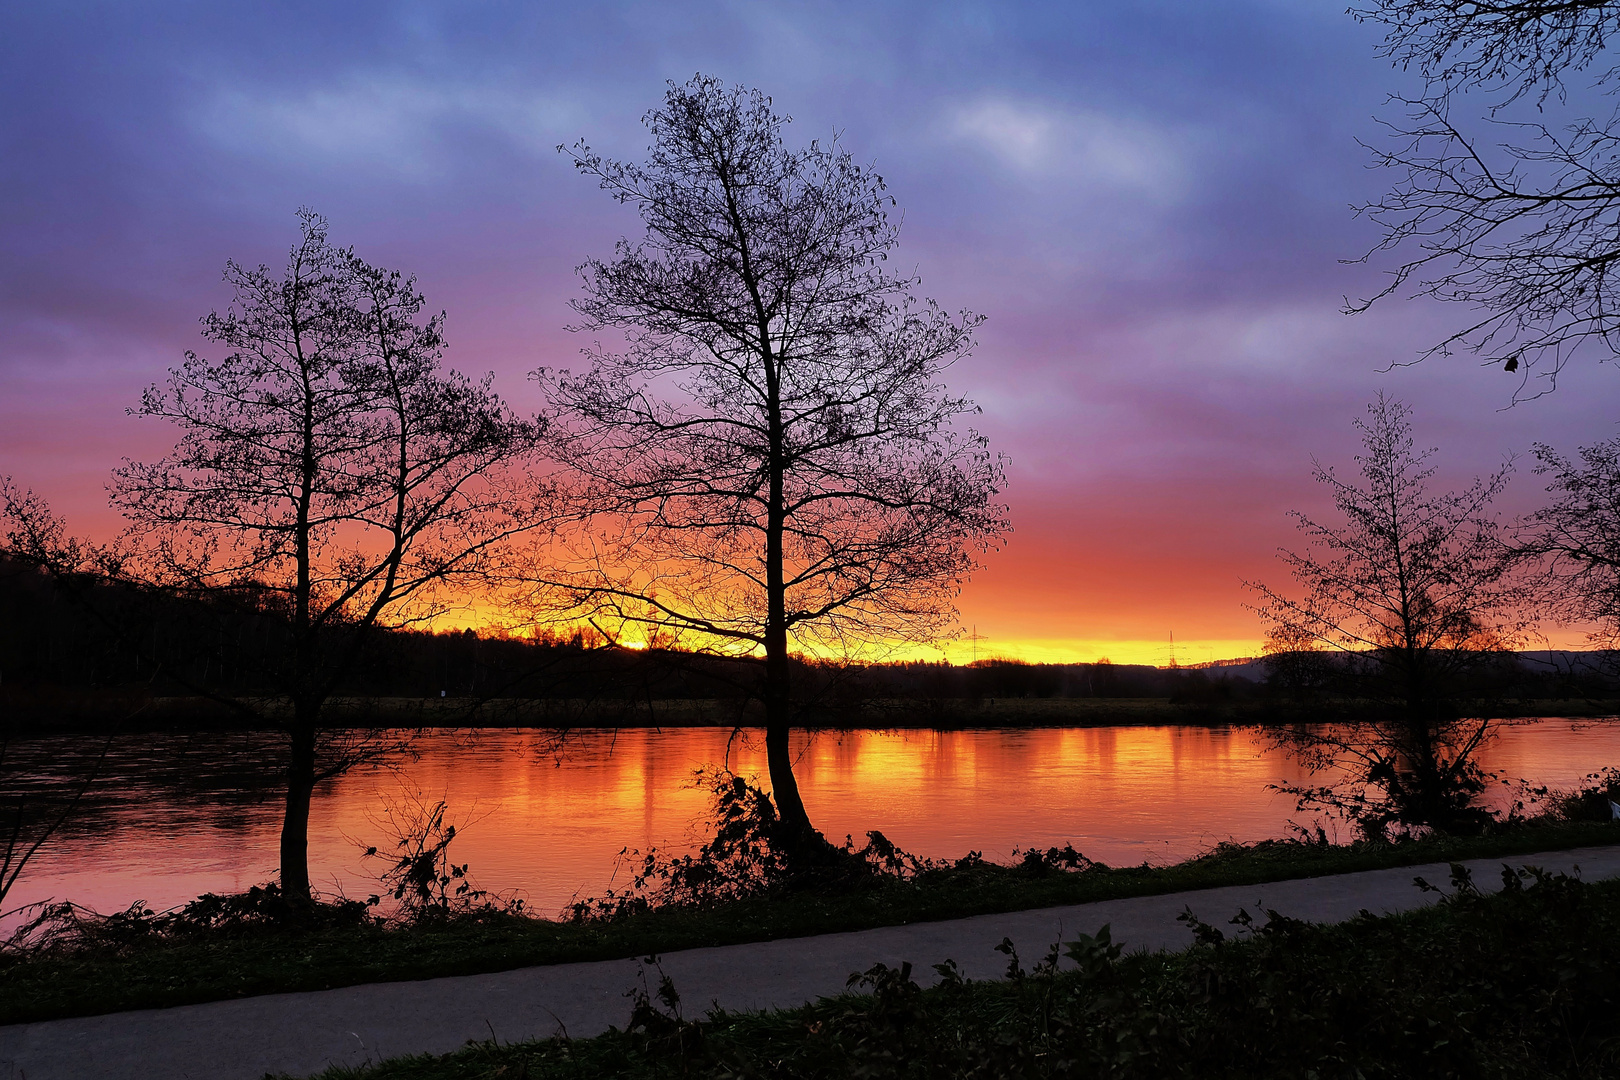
{"x": 387, "y": 122}
{"x": 1083, "y": 147}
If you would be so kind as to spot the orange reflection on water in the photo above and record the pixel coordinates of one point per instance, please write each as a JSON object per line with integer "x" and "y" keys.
{"x": 549, "y": 821}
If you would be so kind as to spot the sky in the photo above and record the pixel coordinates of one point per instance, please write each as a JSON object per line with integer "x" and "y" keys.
{"x": 1150, "y": 202}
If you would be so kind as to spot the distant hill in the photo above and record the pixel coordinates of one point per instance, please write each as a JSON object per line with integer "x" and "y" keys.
{"x": 1550, "y": 662}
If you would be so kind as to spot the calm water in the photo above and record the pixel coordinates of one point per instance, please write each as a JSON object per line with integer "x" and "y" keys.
{"x": 175, "y": 816}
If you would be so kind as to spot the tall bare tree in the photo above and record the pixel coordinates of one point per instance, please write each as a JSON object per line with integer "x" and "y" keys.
{"x": 329, "y": 477}
{"x": 1408, "y": 603}
{"x": 1576, "y": 536}
{"x": 1520, "y": 219}
{"x": 774, "y": 457}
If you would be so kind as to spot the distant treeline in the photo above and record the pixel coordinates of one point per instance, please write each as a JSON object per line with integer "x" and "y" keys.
{"x": 72, "y": 637}
{"x": 87, "y": 634}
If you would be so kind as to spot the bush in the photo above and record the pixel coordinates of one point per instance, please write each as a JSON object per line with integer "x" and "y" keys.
{"x": 67, "y": 927}
{"x": 1512, "y": 985}
{"x": 1594, "y": 800}
{"x": 748, "y": 855}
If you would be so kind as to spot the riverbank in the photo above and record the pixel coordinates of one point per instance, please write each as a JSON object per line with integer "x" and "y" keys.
{"x": 35, "y": 712}
{"x": 1514, "y": 984}
{"x": 133, "y": 968}
{"x": 509, "y": 1017}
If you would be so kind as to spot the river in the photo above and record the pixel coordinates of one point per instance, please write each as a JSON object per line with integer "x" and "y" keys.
{"x": 172, "y": 816}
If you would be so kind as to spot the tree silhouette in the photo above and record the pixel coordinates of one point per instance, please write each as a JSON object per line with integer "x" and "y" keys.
{"x": 1525, "y": 230}
{"x": 328, "y": 476}
{"x": 1577, "y": 538}
{"x": 772, "y": 455}
{"x": 1511, "y": 47}
{"x": 1405, "y": 605}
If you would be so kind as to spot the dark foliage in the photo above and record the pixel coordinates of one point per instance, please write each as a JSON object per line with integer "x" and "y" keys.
{"x": 750, "y": 854}
{"x": 1509, "y": 985}
{"x": 76, "y": 977}
{"x": 1596, "y": 799}
{"x": 426, "y": 885}
{"x": 66, "y": 928}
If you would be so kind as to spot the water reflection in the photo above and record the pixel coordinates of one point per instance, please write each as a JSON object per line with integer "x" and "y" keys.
{"x": 178, "y": 815}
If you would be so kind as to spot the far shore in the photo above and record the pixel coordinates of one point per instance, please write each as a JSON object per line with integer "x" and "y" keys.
{"x": 63, "y": 712}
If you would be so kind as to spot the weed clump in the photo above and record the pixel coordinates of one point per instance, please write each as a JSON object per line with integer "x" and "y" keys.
{"x": 427, "y": 887}
{"x": 1054, "y": 860}
{"x": 749, "y": 854}
{"x": 59, "y": 928}
{"x": 1597, "y": 799}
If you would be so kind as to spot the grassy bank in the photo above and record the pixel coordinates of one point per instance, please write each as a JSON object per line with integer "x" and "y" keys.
{"x": 130, "y": 967}
{"x": 1514, "y": 985}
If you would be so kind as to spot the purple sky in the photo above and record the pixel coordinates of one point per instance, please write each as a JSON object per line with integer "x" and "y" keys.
{"x": 1148, "y": 200}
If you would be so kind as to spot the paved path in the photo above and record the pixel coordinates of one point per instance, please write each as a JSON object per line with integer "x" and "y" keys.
{"x": 302, "y": 1034}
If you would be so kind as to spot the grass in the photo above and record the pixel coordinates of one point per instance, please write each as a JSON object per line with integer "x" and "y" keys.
{"x": 150, "y": 971}
{"x": 1517, "y": 984}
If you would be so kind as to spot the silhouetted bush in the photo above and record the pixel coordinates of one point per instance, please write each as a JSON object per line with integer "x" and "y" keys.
{"x": 747, "y": 856}
{"x": 1512, "y": 985}
{"x": 68, "y": 928}
{"x": 1594, "y": 800}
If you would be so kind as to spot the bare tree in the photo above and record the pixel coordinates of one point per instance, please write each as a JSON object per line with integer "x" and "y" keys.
{"x": 1523, "y": 224}
{"x": 1510, "y": 47}
{"x": 1576, "y": 537}
{"x": 1406, "y": 605}
{"x": 328, "y": 477}
{"x": 31, "y": 537}
{"x": 774, "y": 458}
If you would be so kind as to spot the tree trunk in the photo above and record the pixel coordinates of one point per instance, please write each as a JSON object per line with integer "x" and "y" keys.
{"x": 796, "y": 828}
{"x": 790, "y": 810}
{"x": 295, "y": 823}
{"x": 778, "y": 756}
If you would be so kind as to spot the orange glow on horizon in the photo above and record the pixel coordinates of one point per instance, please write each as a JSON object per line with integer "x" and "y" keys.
{"x": 1034, "y": 650}
{"x": 961, "y": 650}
